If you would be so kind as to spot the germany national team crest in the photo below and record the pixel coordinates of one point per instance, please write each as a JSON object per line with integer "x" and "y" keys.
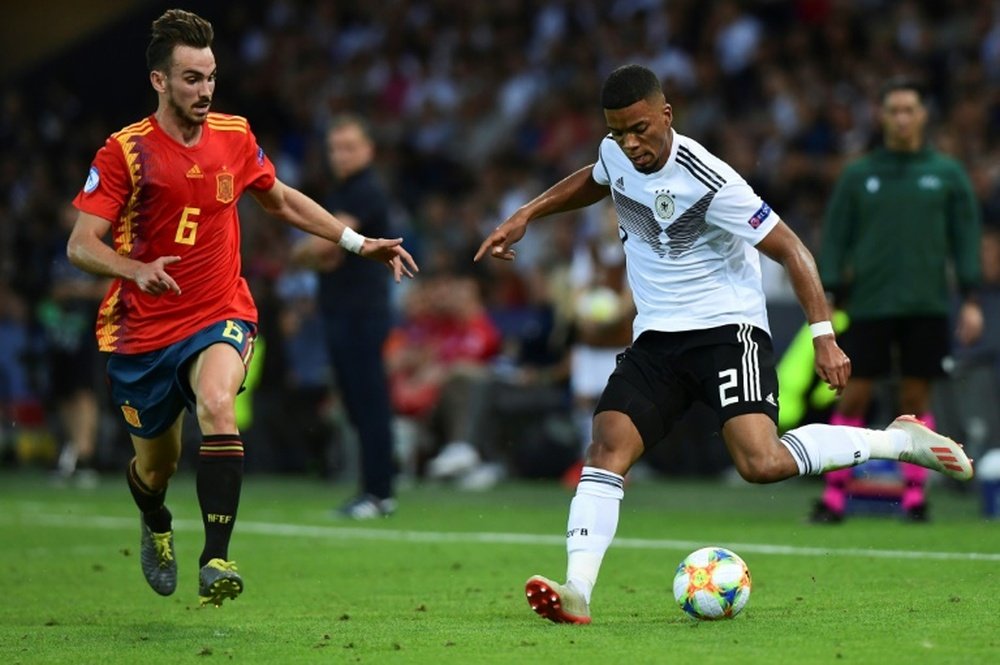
{"x": 131, "y": 415}
{"x": 224, "y": 190}
{"x": 664, "y": 205}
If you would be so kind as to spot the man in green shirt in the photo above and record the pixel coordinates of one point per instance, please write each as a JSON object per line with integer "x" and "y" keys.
{"x": 902, "y": 219}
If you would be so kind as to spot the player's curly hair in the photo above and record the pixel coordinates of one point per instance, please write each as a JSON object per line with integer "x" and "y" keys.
{"x": 627, "y": 85}
{"x": 176, "y": 27}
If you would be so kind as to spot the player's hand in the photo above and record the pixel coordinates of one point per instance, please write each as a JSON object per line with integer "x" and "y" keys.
{"x": 390, "y": 251}
{"x": 832, "y": 364}
{"x": 970, "y": 323}
{"x": 152, "y": 278}
{"x": 499, "y": 242}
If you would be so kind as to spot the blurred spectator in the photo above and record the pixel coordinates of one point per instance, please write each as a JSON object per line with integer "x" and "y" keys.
{"x": 74, "y": 364}
{"x": 445, "y": 334}
{"x": 513, "y": 414}
{"x": 24, "y": 436}
{"x": 299, "y": 398}
{"x": 603, "y": 313}
{"x": 444, "y": 328}
{"x": 15, "y": 390}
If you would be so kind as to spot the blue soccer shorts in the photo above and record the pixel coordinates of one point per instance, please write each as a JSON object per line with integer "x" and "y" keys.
{"x": 151, "y": 389}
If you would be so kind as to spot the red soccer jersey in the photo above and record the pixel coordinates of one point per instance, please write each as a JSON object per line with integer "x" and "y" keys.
{"x": 165, "y": 199}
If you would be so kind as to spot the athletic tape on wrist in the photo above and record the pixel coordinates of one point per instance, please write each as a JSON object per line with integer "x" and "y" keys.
{"x": 351, "y": 240}
{"x": 821, "y": 328}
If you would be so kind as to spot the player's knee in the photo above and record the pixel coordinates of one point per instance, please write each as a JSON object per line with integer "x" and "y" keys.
{"x": 217, "y": 408}
{"x": 612, "y": 456}
{"x": 761, "y": 469}
{"x": 616, "y": 443}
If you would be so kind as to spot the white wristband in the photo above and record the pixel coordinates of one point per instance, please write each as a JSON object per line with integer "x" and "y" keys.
{"x": 821, "y": 328}
{"x": 351, "y": 240}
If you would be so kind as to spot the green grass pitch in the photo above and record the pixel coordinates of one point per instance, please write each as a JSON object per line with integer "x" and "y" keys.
{"x": 442, "y": 580}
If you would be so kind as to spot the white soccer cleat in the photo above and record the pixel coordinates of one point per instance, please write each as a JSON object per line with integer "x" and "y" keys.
{"x": 559, "y": 603}
{"x": 932, "y": 450}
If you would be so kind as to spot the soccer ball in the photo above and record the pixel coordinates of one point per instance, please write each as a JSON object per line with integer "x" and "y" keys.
{"x": 712, "y": 583}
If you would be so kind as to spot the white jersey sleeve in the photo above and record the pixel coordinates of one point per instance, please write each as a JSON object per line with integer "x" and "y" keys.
{"x": 600, "y": 172}
{"x": 737, "y": 209}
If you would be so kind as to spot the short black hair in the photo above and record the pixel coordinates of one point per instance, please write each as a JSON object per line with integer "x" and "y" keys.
{"x": 627, "y": 85}
{"x": 901, "y": 83}
{"x": 176, "y": 28}
{"x": 348, "y": 119}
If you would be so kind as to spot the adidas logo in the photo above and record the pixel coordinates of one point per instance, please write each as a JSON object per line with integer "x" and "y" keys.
{"x": 195, "y": 172}
{"x": 947, "y": 458}
{"x": 770, "y": 399}
{"x": 620, "y": 183}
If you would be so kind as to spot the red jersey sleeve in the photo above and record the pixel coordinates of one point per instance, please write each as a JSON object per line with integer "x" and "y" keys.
{"x": 259, "y": 169}
{"x": 108, "y": 184}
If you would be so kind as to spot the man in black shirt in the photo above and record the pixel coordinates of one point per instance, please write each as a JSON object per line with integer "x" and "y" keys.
{"x": 354, "y": 305}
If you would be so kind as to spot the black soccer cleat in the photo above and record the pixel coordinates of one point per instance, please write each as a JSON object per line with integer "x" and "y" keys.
{"x": 156, "y": 554}
{"x": 219, "y": 581}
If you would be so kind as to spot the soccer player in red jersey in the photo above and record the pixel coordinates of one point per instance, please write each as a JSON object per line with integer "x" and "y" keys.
{"x": 178, "y": 320}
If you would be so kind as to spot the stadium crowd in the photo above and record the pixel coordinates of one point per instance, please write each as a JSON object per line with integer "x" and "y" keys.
{"x": 474, "y": 106}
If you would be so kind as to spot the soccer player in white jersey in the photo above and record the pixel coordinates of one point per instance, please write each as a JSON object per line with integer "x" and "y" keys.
{"x": 693, "y": 231}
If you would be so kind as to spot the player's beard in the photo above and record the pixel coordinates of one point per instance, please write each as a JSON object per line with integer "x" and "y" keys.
{"x": 186, "y": 115}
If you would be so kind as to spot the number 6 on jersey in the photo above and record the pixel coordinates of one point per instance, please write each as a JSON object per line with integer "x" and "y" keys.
{"x": 187, "y": 229}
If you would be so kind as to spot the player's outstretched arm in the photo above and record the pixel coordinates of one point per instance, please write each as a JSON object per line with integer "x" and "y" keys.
{"x": 781, "y": 244}
{"x": 295, "y": 208}
{"x": 577, "y": 190}
{"x": 87, "y": 250}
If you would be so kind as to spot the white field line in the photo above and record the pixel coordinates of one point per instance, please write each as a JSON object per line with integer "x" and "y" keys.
{"x": 396, "y": 535}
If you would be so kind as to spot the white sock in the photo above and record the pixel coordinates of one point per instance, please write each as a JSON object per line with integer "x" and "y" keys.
{"x": 593, "y": 520}
{"x": 817, "y": 448}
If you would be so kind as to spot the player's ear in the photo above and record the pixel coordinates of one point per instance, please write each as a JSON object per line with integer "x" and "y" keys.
{"x": 158, "y": 80}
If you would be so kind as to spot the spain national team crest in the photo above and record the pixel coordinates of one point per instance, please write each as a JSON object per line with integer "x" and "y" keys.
{"x": 131, "y": 415}
{"x": 224, "y": 190}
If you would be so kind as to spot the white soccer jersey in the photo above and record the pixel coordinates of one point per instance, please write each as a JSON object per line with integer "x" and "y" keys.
{"x": 689, "y": 232}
